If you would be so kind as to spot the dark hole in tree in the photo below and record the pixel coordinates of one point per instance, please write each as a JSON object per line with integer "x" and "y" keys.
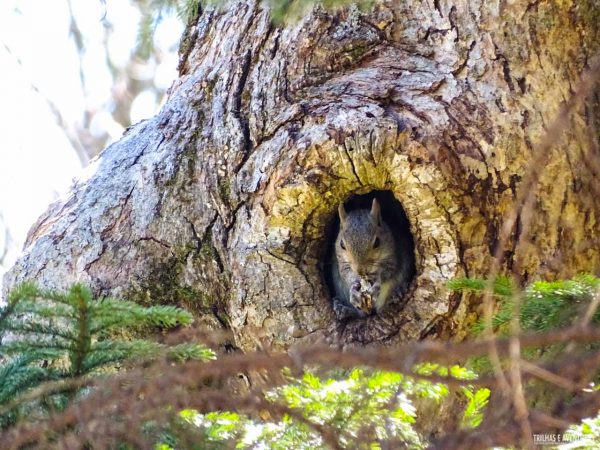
{"x": 393, "y": 214}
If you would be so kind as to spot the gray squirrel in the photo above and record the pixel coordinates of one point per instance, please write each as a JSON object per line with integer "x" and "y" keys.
{"x": 365, "y": 265}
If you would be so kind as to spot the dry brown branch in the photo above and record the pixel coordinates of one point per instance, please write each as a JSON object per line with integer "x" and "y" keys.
{"x": 547, "y": 375}
{"x": 118, "y": 407}
{"x": 523, "y": 209}
{"x": 591, "y": 309}
{"x": 501, "y": 434}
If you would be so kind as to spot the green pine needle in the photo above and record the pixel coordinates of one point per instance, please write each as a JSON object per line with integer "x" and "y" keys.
{"x": 47, "y": 335}
{"x": 190, "y": 351}
{"x": 545, "y": 305}
{"x": 502, "y": 286}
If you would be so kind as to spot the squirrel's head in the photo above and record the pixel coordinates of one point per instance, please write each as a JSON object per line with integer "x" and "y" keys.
{"x": 363, "y": 240}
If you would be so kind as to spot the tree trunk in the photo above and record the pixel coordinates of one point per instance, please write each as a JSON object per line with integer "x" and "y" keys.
{"x": 226, "y": 201}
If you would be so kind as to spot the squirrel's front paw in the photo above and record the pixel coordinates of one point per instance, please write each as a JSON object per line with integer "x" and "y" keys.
{"x": 375, "y": 290}
{"x": 343, "y": 310}
{"x": 361, "y": 297}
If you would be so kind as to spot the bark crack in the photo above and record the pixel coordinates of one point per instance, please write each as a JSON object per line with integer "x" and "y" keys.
{"x": 237, "y": 110}
{"x": 206, "y": 239}
{"x": 107, "y": 231}
{"x": 464, "y": 63}
{"x": 297, "y": 116}
{"x": 302, "y": 249}
{"x": 437, "y": 6}
{"x": 463, "y": 132}
{"x": 420, "y": 115}
{"x": 499, "y": 56}
{"x": 157, "y": 241}
{"x": 229, "y": 226}
{"x": 280, "y": 258}
{"x": 452, "y": 19}
{"x": 351, "y": 161}
{"x": 189, "y": 38}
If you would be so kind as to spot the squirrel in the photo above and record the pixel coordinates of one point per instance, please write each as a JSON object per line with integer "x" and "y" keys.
{"x": 365, "y": 265}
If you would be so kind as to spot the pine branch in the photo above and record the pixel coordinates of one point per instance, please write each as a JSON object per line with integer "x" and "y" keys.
{"x": 34, "y": 328}
{"x": 111, "y": 352}
{"x": 19, "y": 373}
{"x": 503, "y": 286}
{"x": 82, "y": 297}
{"x": 190, "y": 351}
{"x": 111, "y": 313}
{"x": 58, "y": 335}
{"x": 545, "y": 305}
{"x": 44, "y": 343}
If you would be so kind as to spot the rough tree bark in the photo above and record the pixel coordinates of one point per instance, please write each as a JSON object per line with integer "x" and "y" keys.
{"x": 224, "y": 201}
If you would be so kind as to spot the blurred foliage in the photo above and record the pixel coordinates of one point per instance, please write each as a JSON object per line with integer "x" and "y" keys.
{"x": 545, "y": 305}
{"x": 583, "y": 436}
{"x": 287, "y": 11}
{"x": 152, "y": 12}
{"x": 62, "y": 337}
{"x": 48, "y": 335}
{"x": 362, "y": 407}
{"x": 282, "y": 11}
{"x": 54, "y": 336}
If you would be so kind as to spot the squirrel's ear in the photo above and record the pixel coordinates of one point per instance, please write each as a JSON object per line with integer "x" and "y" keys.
{"x": 376, "y": 212}
{"x": 342, "y": 213}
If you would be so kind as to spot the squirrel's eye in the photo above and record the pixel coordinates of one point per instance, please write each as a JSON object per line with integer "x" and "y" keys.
{"x": 343, "y": 245}
{"x": 376, "y": 243}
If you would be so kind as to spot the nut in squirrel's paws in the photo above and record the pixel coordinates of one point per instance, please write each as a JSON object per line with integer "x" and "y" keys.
{"x": 361, "y": 295}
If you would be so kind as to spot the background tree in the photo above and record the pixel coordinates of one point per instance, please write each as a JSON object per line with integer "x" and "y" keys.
{"x": 82, "y": 73}
{"x": 225, "y": 201}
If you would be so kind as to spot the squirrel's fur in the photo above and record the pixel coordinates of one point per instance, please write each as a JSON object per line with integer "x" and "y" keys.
{"x": 365, "y": 264}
